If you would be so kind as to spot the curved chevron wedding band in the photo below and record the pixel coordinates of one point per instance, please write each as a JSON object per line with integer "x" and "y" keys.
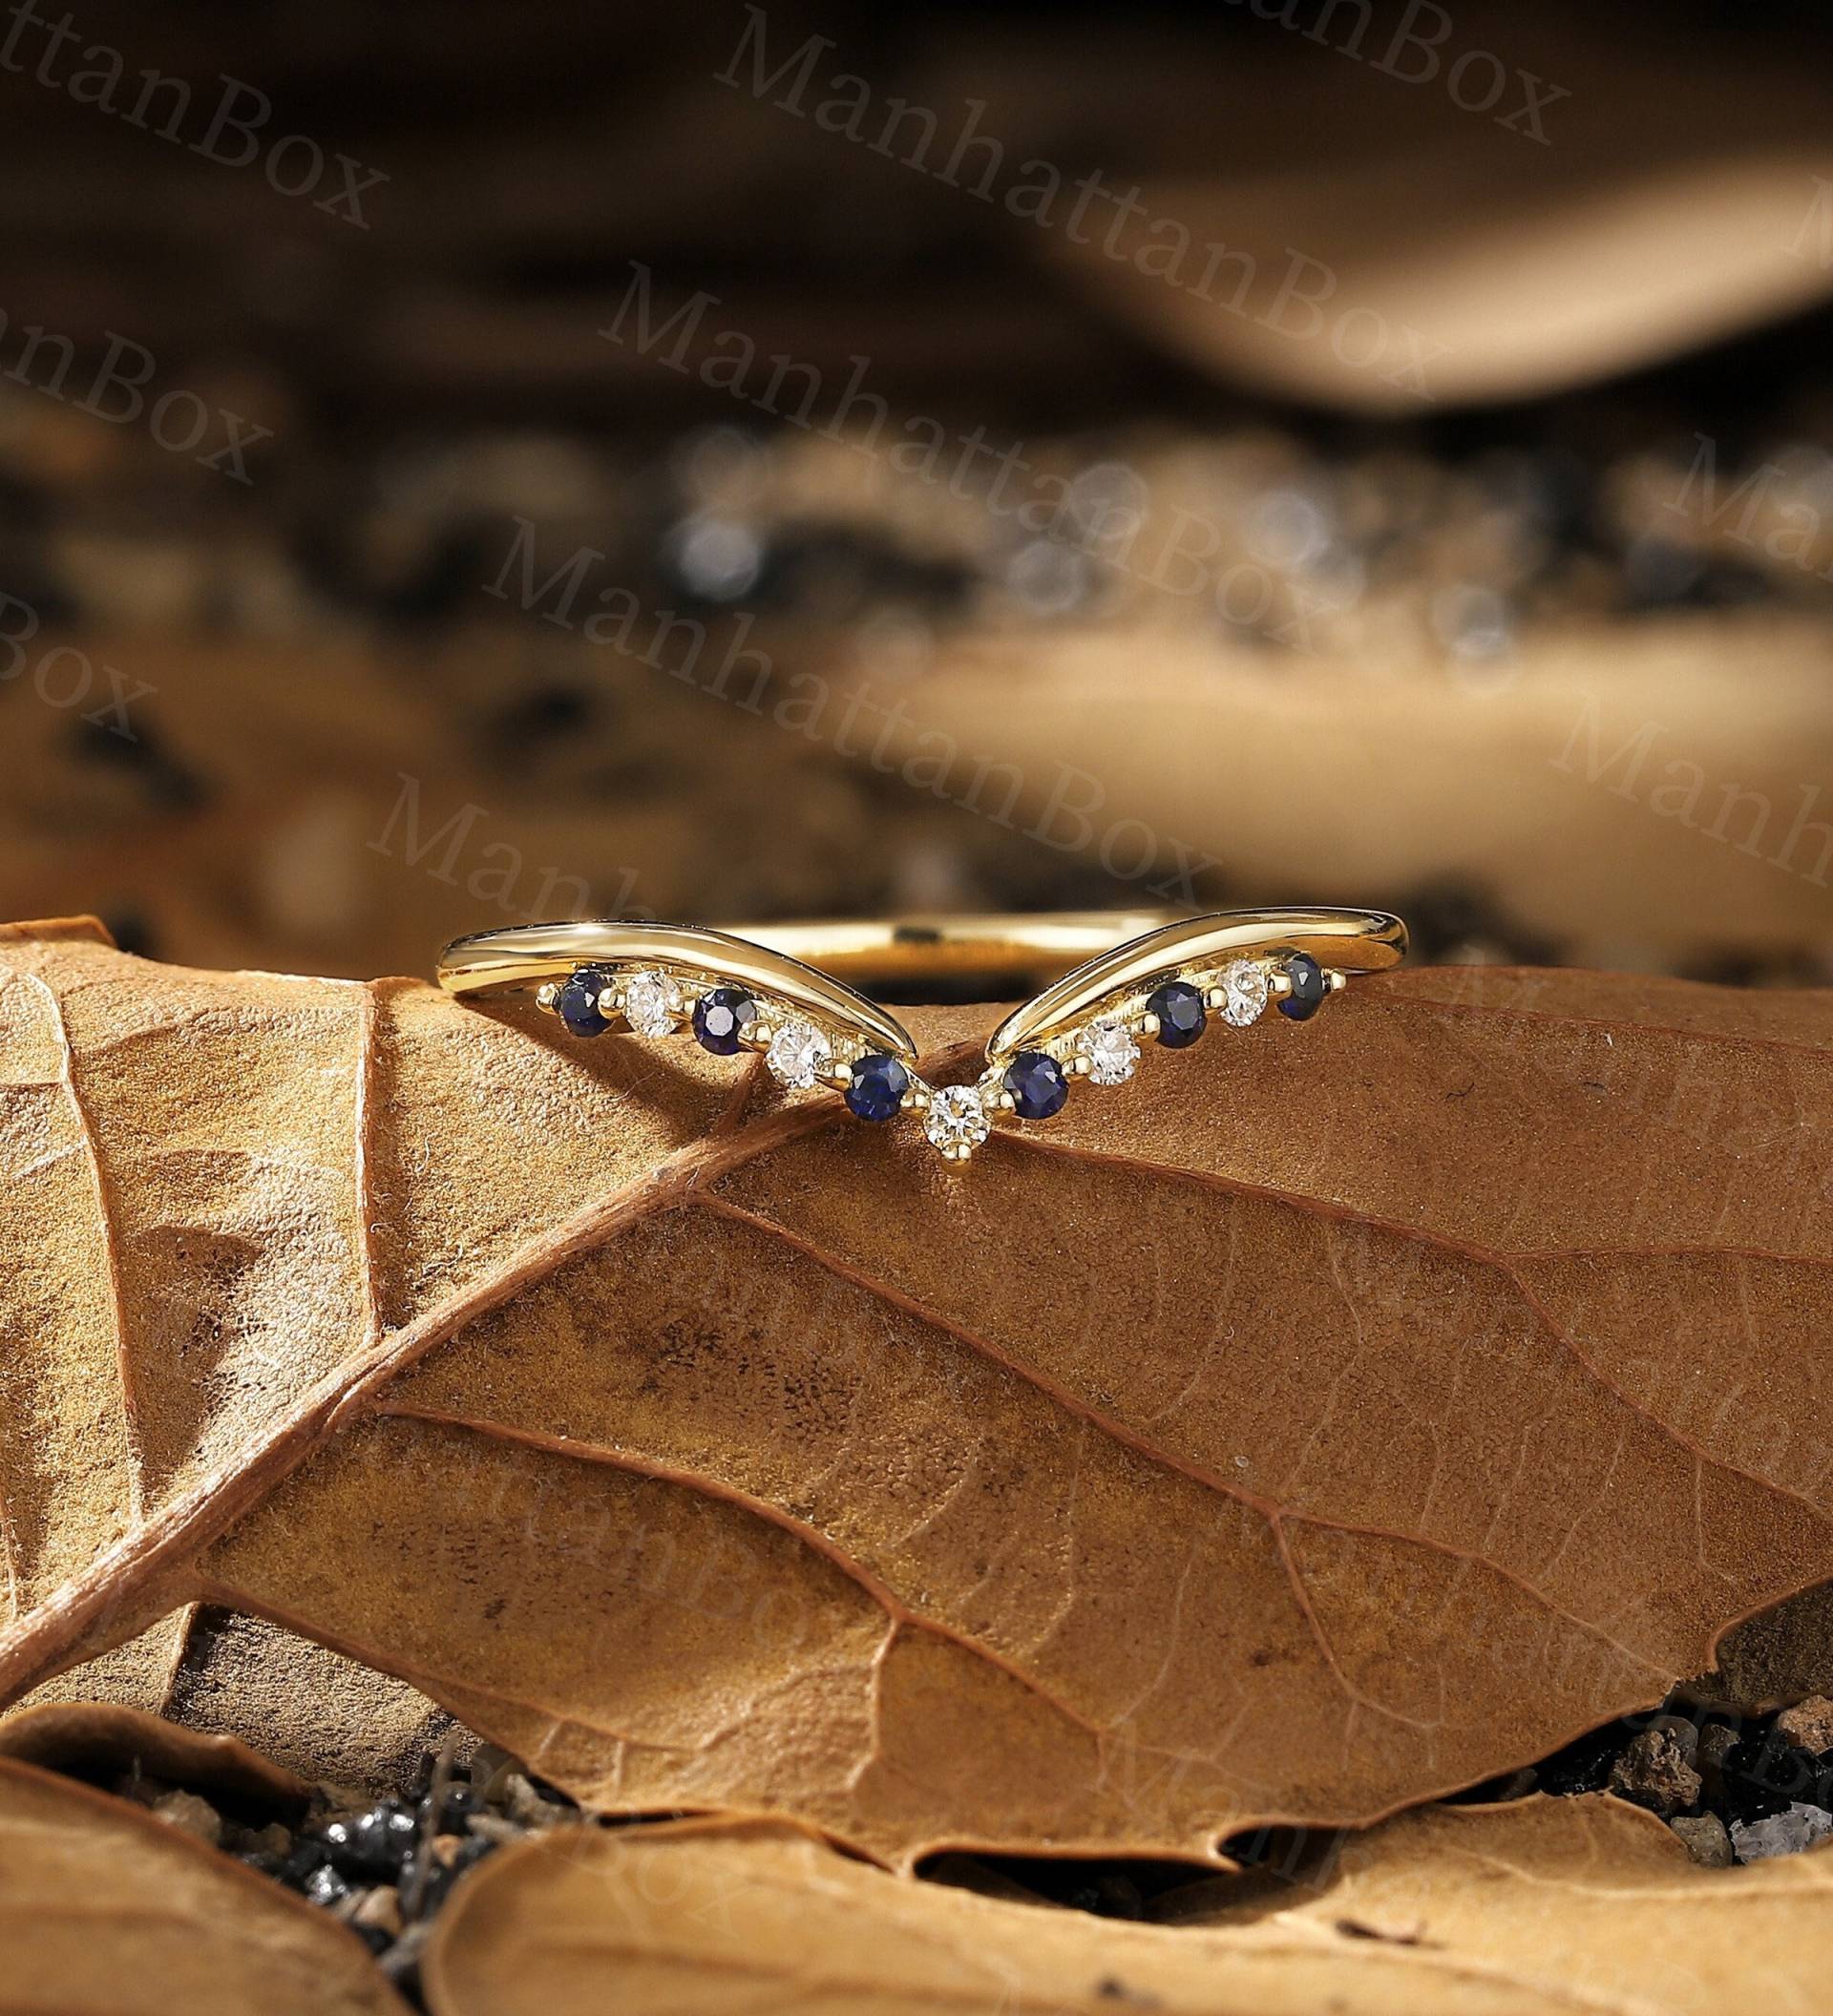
{"x": 780, "y": 989}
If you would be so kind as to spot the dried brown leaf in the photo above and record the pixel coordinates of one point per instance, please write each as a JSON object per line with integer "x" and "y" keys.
{"x": 1542, "y": 1909}
{"x": 1335, "y": 1416}
{"x": 314, "y": 1714}
{"x": 100, "y": 1741}
{"x": 107, "y": 1910}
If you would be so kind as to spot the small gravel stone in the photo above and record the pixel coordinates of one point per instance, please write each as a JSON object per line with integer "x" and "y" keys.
{"x": 1787, "y": 1833}
{"x": 190, "y": 1814}
{"x": 326, "y": 1888}
{"x": 459, "y": 1802}
{"x": 451, "y": 1855}
{"x": 1109, "y": 1895}
{"x": 1655, "y": 1771}
{"x": 401, "y": 1962}
{"x": 1762, "y": 1773}
{"x": 384, "y": 1868}
{"x": 491, "y": 1769}
{"x": 306, "y": 1859}
{"x": 524, "y": 1804}
{"x": 1705, "y": 1837}
{"x": 1717, "y": 1741}
{"x": 1808, "y": 1726}
{"x": 1583, "y": 1766}
{"x": 496, "y": 1828}
{"x": 375, "y": 1843}
{"x": 378, "y": 1910}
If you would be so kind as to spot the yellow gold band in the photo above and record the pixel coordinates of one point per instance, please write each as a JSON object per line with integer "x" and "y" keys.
{"x": 525, "y": 955}
{"x": 1015, "y": 946}
{"x": 1340, "y": 940}
{"x": 785, "y": 990}
{"x": 1011, "y": 945}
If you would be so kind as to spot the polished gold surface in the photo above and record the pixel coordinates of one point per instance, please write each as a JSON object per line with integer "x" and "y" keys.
{"x": 1006, "y": 945}
{"x": 525, "y": 955}
{"x": 804, "y": 964}
{"x": 1340, "y": 940}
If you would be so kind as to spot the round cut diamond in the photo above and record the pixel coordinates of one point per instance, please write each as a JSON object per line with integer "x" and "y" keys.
{"x": 651, "y": 1003}
{"x": 1110, "y": 1050}
{"x": 798, "y": 1055}
{"x": 956, "y": 1122}
{"x": 1244, "y": 986}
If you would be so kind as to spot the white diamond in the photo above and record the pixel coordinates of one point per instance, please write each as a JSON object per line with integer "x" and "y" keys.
{"x": 956, "y": 1119}
{"x": 1244, "y": 984}
{"x": 651, "y": 1003}
{"x": 1110, "y": 1050}
{"x": 798, "y": 1055}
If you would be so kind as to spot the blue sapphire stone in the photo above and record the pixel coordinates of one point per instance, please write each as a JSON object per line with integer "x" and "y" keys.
{"x": 1179, "y": 1009}
{"x": 577, "y": 1002}
{"x": 720, "y": 1019}
{"x": 1309, "y": 987}
{"x": 1038, "y": 1085}
{"x": 876, "y": 1089}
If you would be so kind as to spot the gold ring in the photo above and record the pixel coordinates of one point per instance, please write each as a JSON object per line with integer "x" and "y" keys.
{"x": 782, "y": 990}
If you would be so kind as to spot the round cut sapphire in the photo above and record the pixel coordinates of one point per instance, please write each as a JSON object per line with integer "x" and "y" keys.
{"x": 1179, "y": 1009}
{"x": 577, "y": 1002}
{"x": 720, "y": 1019}
{"x": 876, "y": 1089}
{"x": 1038, "y": 1085}
{"x": 1309, "y": 987}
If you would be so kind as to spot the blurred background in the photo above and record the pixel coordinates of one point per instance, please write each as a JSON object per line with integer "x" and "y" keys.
{"x": 472, "y": 464}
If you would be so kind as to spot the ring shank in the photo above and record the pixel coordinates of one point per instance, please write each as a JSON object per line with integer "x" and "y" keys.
{"x": 1346, "y": 940}
{"x": 993, "y": 946}
{"x": 837, "y": 955}
{"x": 526, "y": 954}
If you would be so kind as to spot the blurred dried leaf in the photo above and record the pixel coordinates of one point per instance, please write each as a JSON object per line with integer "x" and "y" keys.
{"x": 1635, "y": 746}
{"x": 1549, "y": 1906}
{"x": 105, "y": 1909}
{"x": 1337, "y": 1416}
{"x": 1606, "y": 208}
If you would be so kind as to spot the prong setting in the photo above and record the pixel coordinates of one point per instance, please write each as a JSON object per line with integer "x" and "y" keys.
{"x": 803, "y": 1051}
